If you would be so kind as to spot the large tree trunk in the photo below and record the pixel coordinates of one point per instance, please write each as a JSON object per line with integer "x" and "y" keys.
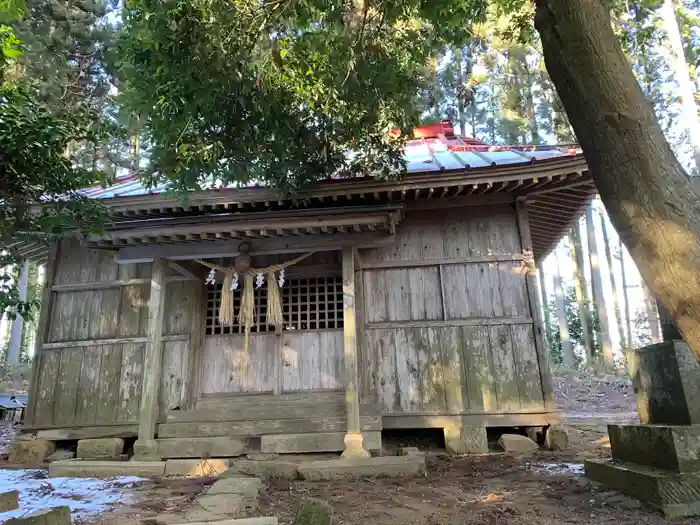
{"x": 647, "y": 193}
{"x": 613, "y": 283}
{"x": 581, "y": 292}
{"x": 567, "y": 349}
{"x": 597, "y": 292}
{"x": 682, "y": 75}
{"x": 15, "y": 346}
{"x": 652, "y": 315}
{"x": 625, "y": 297}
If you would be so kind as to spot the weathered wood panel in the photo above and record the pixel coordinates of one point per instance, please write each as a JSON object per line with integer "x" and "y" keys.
{"x": 85, "y": 315}
{"x": 225, "y": 368}
{"x": 130, "y": 382}
{"x": 179, "y": 306}
{"x": 133, "y": 315}
{"x": 403, "y": 294}
{"x": 312, "y": 360}
{"x": 507, "y": 393}
{"x": 479, "y": 382}
{"x": 67, "y": 384}
{"x": 88, "y": 387}
{"x": 174, "y": 376}
{"x": 77, "y": 264}
{"x": 108, "y": 386}
{"x": 527, "y": 366}
{"x": 46, "y": 388}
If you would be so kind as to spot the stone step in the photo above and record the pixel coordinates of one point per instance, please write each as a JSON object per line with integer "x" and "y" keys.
{"x": 78, "y": 468}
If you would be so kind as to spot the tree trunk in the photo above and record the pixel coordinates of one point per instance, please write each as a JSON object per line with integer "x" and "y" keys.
{"x": 625, "y": 297}
{"x": 597, "y": 292}
{"x": 460, "y": 87}
{"x": 581, "y": 292}
{"x": 545, "y": 303}
{"x": 613, "y": 284}
{"x": 647, "y": 193}
{"x": 567, "y": 349}
{"x": 652, "y": 315}
{"x": 15, "y": 346}
{"x": 682, "y": 75}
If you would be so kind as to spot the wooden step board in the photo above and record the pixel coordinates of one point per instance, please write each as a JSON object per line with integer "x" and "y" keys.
{"x": 266, "y": 414}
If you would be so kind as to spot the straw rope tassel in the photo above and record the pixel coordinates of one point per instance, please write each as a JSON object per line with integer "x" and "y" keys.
{"x": 226, "y": 315}
{"x": 274, "y": 302}
{"x": 246, "y": 316}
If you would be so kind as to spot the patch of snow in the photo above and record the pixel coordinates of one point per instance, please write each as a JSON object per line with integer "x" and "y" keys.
{"x": 557, "y": 468}
{"x": 85, "y": 496}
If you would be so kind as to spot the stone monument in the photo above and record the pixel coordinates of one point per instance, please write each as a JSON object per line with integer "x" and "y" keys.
{"x": 658, "y": 460}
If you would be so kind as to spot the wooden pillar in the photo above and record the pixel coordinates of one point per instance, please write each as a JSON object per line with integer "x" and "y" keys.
{"x": 15, "y": 346}
{"x": 145, "y": 447}
{"x": 42, "y": 329}
{"x": 543, "y": 359}
{"x": 353, "y": 436}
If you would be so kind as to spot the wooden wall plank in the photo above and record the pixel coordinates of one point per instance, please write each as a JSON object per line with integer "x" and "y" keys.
{"x": 134, "y": 310}
{"x": 479, "y": 383}
{"x": 130, "y": 382}
{"x": 109, "y": 384}
{"x": 449, "y": 346}
{"x": 528, "y": 370}
{"x": 67, "y": 384}
{"x": 46, "y": 387}
{"x": 381, "y": 344}
{"x": 408, "y": 370}
{"x": 507, "y": 393}
{"x": 223, "y": 359}
{"x": 174, "y": 376}
{"x": 88, "y": 390}
{"x": 332, "y": 368}
{"x": 78, "y": 264}
{"x": 427, "y": 342}
{"x": 179, "y": 305}
{"x": 376, "y": 307}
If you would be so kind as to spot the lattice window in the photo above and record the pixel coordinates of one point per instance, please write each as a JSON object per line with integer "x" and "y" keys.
{"x": 307, "y": 304}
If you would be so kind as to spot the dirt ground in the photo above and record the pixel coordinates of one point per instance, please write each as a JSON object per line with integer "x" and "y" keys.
{"x": 495, "y": 489}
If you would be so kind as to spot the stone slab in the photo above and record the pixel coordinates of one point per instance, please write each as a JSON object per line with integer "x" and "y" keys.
{"x": 238, "y": 485}
{"x": 556, "y": 438}
{"x": 517, "y": 444}
{"x": 262, "y": 520}
{"x": 668, "y": 447}
{"x": 315, "y": 442}
{"x": 277, "y": 468}
{"x": 409, "y": 451}
{"x": 78, "y": 468}
{"x": 30, "y": 452}
{"x": 100, "y": 448}
{"x": 196, "y": 467}
{"x": 203, "y": 448}
{"x": 60, "y": 455}
{"x": 666, "y": 382}
{"x": 387, "y": 466}
{"x": 466, "y": 440}
{"x": 223, "y": 505}
{"x": 675, "y": 494}
{"x": 54, "y": 516}
{"x": 9, "y": 500}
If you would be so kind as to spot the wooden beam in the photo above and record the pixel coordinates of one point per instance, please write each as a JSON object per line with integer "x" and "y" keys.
{"x": 197, "y": 332}
{"x": 104, "y": 285}
{"x": 114, "y": 341}
{"x": 535, "y": 313}
{"x": 443, "y": 262}
{"x": 47, "y": 300}
{"x": 191, "y": 271}
{"x": 145, "y": 447}
{"x": 215, "y": 249}
{"x": 353, "y": 436}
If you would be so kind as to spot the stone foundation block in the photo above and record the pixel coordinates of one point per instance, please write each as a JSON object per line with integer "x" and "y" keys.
{"x": 675, "y": 494}
{"x": 277, "y": 468}
{"x": 9, "y": 500}
{"x": 409, "y": 451}
{"x": 466, "y": 440}
{"x": 220, "y": 505}
{"x": 314, "y": 512}
{"x": 215, "y": 447}
{"x": 146, "y": 450}
{"x": 387, "y": 466}
{"x": 77, "y": 468}
{"x": 247, "y": 488}
{"x": 100, "y": 448}
{"x": 261, "y": 456}
{"x": 668, "y": 447}
{"x": 556, "y": 438}
{"x": 315, "y": 442}
{"x": 196, "y": 467}
{"x": 517, "y": 444}
{"x": 61, "y": 455}
{"x": 666, "y": 382}
{"x": 30, "y": 452}
{"x": 55, "y": 516}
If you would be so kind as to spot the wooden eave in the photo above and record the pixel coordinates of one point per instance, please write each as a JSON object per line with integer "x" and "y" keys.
{"x": 246, "y": 226}
{"x": 448, "y": 183}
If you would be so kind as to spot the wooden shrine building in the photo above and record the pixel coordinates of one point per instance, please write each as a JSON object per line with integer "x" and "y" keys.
{"x": 410, "y": 304}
